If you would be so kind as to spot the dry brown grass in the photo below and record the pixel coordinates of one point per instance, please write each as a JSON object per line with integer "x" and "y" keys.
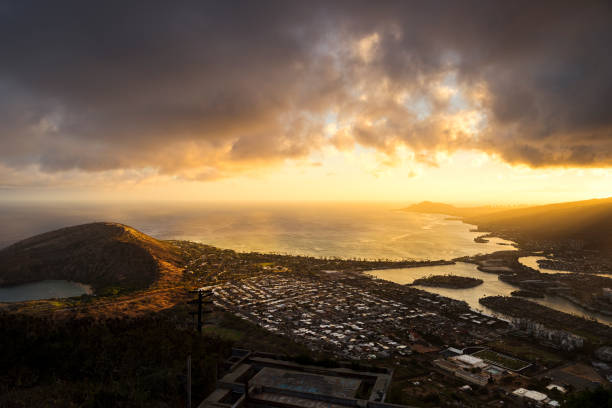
{"x": 164, "y": 292}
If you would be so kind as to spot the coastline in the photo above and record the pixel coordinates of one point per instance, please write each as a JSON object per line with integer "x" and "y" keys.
{"x": 505, "y": 264}
{"x": 554, "y": 319}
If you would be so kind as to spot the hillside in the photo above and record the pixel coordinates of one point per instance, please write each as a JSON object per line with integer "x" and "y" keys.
{"x": 102, "y": 255}
{"x": 589, "y": 221}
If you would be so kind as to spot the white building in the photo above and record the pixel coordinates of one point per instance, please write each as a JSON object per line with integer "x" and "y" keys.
{"x": 469, "y": 360}
{"x": 535, "y": 396}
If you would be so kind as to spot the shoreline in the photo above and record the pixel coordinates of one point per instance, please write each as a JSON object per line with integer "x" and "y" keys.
{"x": 421, "y": 264}
{"x": 511, "y": 266}
{"x": 523, "y": 308}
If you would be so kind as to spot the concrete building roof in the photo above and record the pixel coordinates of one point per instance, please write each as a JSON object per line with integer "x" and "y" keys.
{"x": 533, "y": 395}
{"x": 307, "y": 383}
{"x": 470, "y": 360}
{"x": 556, "y": 387}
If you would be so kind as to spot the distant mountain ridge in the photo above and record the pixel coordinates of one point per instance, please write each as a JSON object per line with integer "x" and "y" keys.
{"x": 589, "y": 221}
{"x": 101, "y": 254}
{"x": 448, "y": 209}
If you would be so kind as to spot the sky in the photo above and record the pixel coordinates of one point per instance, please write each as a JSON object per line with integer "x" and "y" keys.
{"x": 463, "y": 102}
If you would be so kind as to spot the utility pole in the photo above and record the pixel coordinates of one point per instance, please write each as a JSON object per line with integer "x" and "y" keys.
{"x": 204, "y": 297}
{"x": 200, "y": 301}
{"x": 189, "y": 381}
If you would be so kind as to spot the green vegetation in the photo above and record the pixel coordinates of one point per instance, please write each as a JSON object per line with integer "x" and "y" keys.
{"x": 527, "y": 351}
{"x": 254, "y": 337}
{"x": 501, "y": 359}
{"x": 231, "y": 335}
{"x": 448, "y": 281}
{"x": 117, "y": 362}
{"x": 598, "y": 398}
{"x": 527, "y": 293}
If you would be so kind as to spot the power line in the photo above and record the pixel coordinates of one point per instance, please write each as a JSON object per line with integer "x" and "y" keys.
{"x": 204, "y": 298}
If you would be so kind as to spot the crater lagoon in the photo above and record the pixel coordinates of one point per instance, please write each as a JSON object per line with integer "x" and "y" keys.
{"x": 46, "y": 289}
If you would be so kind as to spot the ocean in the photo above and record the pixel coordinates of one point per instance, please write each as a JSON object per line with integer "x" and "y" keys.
{"x": 346, "y": 230}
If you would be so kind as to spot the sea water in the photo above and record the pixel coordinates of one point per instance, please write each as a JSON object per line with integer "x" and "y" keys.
{"x": 346, "y": 230}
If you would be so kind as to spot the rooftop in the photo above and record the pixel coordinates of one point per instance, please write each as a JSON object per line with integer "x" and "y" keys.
{"x": 272, "y": 380}
{"x": 470, "y": 360}
{"x": 533, "y": 395}
{"x": 307, "y": 383}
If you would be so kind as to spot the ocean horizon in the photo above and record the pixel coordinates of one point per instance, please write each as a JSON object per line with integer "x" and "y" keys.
{"x": 345, "y": 230}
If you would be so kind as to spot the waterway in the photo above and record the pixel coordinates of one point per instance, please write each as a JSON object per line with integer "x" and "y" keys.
{"x": 532, "y": 262}
{"x": 46, "y": 289}
{"x": 491, "y": 286}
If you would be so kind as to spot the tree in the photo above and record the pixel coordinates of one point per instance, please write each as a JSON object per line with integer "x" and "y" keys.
{"x": 598, "y": 398}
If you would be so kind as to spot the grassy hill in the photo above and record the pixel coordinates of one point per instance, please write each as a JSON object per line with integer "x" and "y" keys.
{"x": 589, "y": 221}
{"x": 99, "y": 254}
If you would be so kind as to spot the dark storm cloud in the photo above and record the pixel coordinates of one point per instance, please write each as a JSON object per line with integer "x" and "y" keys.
{"x": 183, "y": 85}
{"x": 121, "y": 85}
